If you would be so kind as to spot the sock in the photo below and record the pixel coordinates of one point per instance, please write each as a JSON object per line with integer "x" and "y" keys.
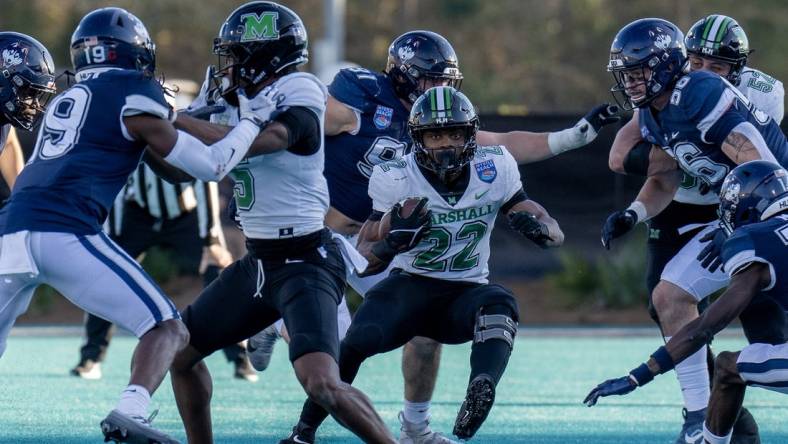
{"x": 416, "y": 412}
{"x": 693, "y": 375}
{"x": 489, "y": 357}
{"x": 711, "y": 438}
{"x": 134, "y": 401}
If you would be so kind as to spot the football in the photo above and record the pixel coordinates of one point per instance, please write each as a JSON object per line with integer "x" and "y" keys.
{"x": 408, "y": 205}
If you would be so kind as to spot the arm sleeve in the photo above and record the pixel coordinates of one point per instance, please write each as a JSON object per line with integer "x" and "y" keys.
{"x": 520, "y": 196}
{"x": 303, "y": 130}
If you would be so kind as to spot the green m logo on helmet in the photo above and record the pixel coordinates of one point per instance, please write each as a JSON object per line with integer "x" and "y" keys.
{"x": 260, "y": 27}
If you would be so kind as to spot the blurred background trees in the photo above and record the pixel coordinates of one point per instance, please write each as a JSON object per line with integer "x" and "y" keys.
{"x": 518, "y": 56}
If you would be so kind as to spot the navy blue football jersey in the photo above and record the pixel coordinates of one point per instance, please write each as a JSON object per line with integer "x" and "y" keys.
{"x": 702, "y": 111}
{"x": 83, "y": 154}
{"x": 381, "y": 137}
{"x": 765, "y": 242}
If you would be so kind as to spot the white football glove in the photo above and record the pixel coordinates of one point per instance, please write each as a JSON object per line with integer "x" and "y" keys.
{"x": 259, "y": 108}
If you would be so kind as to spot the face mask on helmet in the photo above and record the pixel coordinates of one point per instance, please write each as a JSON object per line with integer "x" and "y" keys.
{"x": 27, "y": 82}
{"x": 647, "y": 50}
{"x": 257, "y": 41}
{"x": 721, "y": 39}
{"x": 420, "y": 60}
{"x": 443, "y": 126}
{"x": 753, "y": 192}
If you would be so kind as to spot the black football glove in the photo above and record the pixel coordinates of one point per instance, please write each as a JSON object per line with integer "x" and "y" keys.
{"x": 710, "y": 257}
{"x": 405, "y": 232}
{"x": 602, "y": 115}
{"x": 618, "y": 224}
{"x": 529, "y": 226}
{"x": 618, "y": 386}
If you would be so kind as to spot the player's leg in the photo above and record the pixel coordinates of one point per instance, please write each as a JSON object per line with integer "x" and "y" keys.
{"x": 135, "y": 238}
{"x": 16, "y": 291}
{"x": 726, "y": 399}
{"x": 100, "y": 278}
{"x": 383, "y": 322}
{"x": 226, "y": 311}
{"x": 487, "y": 315}
{"x": 684, "y": 283}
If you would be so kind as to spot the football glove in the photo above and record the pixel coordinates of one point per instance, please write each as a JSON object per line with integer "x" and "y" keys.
{"x": 585, "y": 130}
{"x": 618, "y": 386}
{"x": 710, "y": 257}
{"x": 618, "y": 224}
{"x": 260, "y": 108}
{"x": 529, "y": 226}
{"x": 405, "y": 232}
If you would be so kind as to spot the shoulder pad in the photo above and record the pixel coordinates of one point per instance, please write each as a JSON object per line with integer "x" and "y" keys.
{"x": 357, "y": 88}
{"x": 302, "y": 89}
{"x": 738, "y": 250}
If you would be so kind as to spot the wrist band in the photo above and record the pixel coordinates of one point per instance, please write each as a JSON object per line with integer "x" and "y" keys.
{"x": 640, "y": 211}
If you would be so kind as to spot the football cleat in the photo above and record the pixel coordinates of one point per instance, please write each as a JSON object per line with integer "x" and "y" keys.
{"x": 120, "y": 427}
{"x": 87, "y": 369}
{"x": 260, "y": 347}
{"x": 420, "y": 433}
{"x": 302, "y": 434}
{"x": 692, "y": 430}
{"x": 474, "y": 410}
{"x": 244, "y": 370}
{"x": 745, "y": 429}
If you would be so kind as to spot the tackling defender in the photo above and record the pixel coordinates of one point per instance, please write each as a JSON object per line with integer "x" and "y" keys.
{"x": 704, "y": 127}
{"x": 438, "y": 287}
{"x": 92, "y": 136}
{"x": 753, "y": 203}
{"x": 718, "y": 44}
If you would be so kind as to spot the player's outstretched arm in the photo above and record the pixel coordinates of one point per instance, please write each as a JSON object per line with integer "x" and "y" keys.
{"x": 532, "y": 221}
{"x": 744, "y": 286}
{"x": 164, "y": 169}
{"x": 184, "y": 151}
{"x": 627, "y": 138}
{"x": 528, "y": 147}
{"x": 654, "y": 196}
{"x": 340, "y": 118}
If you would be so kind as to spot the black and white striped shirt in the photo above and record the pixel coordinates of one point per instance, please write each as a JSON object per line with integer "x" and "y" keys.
{"x": 165, "y": 201}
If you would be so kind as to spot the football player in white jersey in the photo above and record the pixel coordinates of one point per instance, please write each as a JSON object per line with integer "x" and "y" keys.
{"x": 438, "y": 287}
{"x": 294, "y": 269}
{"x": 718, "y": 44}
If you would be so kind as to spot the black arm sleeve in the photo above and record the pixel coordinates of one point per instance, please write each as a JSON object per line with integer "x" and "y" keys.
{"x": 636, "y": 162}
{"x": 518, "y": 197}
{"x": 303, "y": 130}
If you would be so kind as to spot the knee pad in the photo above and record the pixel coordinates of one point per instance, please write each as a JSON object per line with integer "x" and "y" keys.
{"x": 495, "y": 322}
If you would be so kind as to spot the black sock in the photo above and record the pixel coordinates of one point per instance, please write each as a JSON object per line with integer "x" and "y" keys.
{"x": 490, "y": 357}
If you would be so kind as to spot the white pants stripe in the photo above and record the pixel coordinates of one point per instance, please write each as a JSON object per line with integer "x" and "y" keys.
{"x": 94, "y": 274}
{"x": 765, "y": 365}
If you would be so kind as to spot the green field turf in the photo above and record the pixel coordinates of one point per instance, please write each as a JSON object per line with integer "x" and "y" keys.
{"x": 538, "y": 400}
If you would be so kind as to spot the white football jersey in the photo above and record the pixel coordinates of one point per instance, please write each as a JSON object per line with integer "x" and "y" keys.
{"x": 283, "y": 194}
{"x": 457, "y": 247}
{"x": 767, "y": 94}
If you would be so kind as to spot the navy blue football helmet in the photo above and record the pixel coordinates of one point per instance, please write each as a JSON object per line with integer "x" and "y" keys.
{"x": 720, "y": 38}
{"x": 655, "y": 48}
{"x": 27, "y": 82}
{"x": 752, "y": 192}
{"x": 112, "y": 37}
{"x": 257, "y": 42}
{"x": 418, "y": 55}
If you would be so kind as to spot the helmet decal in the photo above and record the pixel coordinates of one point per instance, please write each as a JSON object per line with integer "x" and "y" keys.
{"x": 260, "y": 27}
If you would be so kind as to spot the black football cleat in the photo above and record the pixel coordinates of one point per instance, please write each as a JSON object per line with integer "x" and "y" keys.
{"x": 302, "y": 434}
{"x": 474, "y": 410}
{"x": 120, "y": 427}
